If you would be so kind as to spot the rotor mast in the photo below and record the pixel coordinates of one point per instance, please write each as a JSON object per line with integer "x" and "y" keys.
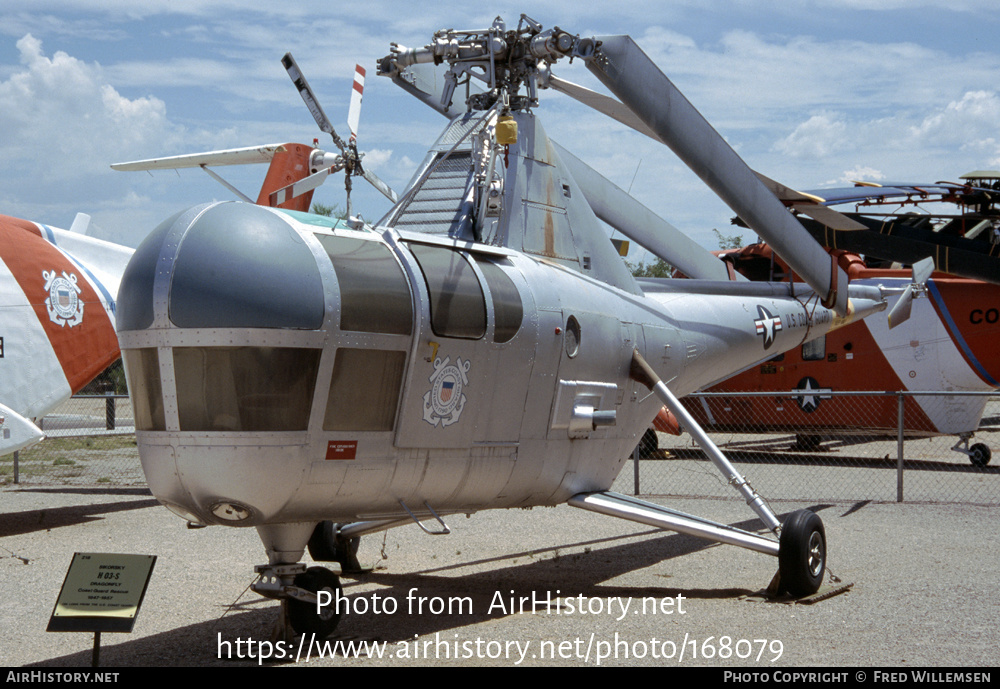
{"x": 504, "y": 61}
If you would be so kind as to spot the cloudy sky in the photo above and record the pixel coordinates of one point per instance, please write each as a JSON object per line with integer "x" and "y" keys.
{"x": 813, "y": 93}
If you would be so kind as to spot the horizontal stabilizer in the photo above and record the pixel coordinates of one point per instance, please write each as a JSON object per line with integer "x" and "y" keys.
{"x": 231, "y": 156}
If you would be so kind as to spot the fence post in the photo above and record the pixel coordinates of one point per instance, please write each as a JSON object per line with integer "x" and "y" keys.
{"x": 899, "y": 446}
{"x": 17, "y": 456}
{"x": 635, "y": 468}
{"x": 109, "y": 413}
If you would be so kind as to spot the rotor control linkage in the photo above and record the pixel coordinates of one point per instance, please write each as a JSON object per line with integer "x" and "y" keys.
{"x": 643, "y": 373}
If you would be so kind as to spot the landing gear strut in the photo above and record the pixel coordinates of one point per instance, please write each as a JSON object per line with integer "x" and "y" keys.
{"x": 979, "y": 454}
{"x": 801, "y": 548}
{"x": 297, "y": 588}
{"x": 327, "y": 544}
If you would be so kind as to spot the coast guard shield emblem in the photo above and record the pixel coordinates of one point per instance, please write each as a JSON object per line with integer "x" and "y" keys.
{"x": 444, "y": 402}
{"x": 63, "y": 304}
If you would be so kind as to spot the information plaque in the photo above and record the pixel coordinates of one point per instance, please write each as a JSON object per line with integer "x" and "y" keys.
{"x": 102, "y": 592}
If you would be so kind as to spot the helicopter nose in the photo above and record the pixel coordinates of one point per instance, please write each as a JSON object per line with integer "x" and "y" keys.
{"x": 226, "y": 265}
{"x": 221, "y": 318}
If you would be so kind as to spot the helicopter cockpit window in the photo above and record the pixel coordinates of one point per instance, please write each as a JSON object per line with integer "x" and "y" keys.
{"x": 245, "y": 388}
{"x": 364, "y": 391}
{"x": 143, "y": 369}
{"x": 374, "y": 294}
{"x": 506, "y": 301}
{"x": 458, "y": 307}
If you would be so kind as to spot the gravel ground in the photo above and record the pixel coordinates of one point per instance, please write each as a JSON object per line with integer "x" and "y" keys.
{"x": 924, "y": 589}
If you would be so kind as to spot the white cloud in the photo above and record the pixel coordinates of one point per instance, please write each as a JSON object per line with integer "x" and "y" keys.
{"x": 970, "y": 122}
{"x": 63, "y": 125}
{"x": 61, "y": 104}
{"x": 861, "y": 173}
{"x": 803, "y": 96}
{"x": 818, "y": 137}
{"x": 926, "y": 143}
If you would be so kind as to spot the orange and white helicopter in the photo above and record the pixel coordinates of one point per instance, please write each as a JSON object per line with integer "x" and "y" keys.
{"x": 947, "y": 345}
{"x": 482, "y": 346}
{"x": 57, "y": 321}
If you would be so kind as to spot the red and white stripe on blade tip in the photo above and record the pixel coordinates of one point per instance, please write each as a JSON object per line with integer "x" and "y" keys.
{"x": 354, "y": 113}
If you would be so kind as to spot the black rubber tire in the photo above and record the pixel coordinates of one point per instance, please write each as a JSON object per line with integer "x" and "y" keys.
{"x": 326, "y": 545}
{"x": 980, "y": 455}
{"x": 802, "y": 553}
{"x": 303, "y": 616}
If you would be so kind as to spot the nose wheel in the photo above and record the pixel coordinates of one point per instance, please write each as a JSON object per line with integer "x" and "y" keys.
{"x": 298, "y": 590}
{"x": 303, "y": 615}
{"x": 802, "y": 554}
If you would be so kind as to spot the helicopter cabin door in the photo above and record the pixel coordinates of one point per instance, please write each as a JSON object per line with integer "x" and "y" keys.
{"x": 469, "y": 378}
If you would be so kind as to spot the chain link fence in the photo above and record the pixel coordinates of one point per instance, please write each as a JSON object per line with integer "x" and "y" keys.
{"x": 815, "y": 445}
{"x": 89, "y": 440}
{"x": 824, "y": 445}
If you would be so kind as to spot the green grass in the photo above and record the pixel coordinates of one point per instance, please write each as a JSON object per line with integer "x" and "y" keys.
{"x": 66, "y": 458}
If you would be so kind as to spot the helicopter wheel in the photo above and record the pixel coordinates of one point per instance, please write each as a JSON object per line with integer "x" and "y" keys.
{"x": 327, "y": 545}
{"x": 303, "y": 616}
{"x": 802, "y": 553}
{"x": 980, "y": 454}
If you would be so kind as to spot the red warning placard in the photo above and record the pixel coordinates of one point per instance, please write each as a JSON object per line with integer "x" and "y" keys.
{"x": 341, "y": 449}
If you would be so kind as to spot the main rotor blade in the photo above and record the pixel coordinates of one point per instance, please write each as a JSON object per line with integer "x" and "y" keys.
{"x": 629, "y": 73}
{"x": 835, "y": 220}
{"x": 811, "y": 205}
{"x": 615, "y": 207}
{"x": 309, "y": 98}
{"x": 804, "y": 203}
{"x": 601, "y": 103}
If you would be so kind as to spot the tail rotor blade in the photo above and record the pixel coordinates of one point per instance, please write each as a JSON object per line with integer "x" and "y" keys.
{"x": 900, "y": 313}
{"x": 379, "y": 184}
{"x": 922, "y": 270}
{"x": 354, "y": 113}
{"x": 351, "y": 159}
{"x": 296, "y": 189}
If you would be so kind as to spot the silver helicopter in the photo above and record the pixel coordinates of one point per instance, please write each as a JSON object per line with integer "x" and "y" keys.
{"x": 482, "y": 346}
